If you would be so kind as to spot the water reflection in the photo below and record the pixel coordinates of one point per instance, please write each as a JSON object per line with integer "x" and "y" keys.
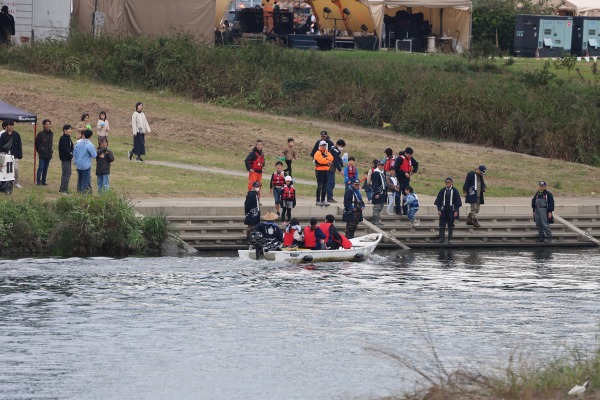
{"x": 157, "y": 328}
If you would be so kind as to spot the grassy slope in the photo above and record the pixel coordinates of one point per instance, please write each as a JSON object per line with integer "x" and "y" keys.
{"x": 196, "y": 133}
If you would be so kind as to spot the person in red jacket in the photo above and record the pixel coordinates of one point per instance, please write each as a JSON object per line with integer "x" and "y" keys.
{"x": 276, "y": 185}
{"x": 314, "y": 238}
{"x": 288, "y": 200}
{"x": 255, "y": 165}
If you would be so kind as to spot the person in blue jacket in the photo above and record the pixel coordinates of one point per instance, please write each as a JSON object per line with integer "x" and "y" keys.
{"x": 83, "y": 154}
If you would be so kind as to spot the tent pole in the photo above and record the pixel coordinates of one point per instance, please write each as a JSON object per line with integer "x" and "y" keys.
{"x": 34, "y": 152}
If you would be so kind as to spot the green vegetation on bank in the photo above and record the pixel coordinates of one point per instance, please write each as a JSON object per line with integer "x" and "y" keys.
{"x": 78, "y": 224}
{"x": 472, "y": 99}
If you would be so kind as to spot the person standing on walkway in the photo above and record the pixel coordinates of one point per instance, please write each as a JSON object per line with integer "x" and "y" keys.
{"x": 43, "y": 146}
{"x": 252, "y": 208}
{"x": 324, "y": 137}
{"x": 290, "y": 155}
{"x": 405, "y": 166}
{"x": 276, "y": 185}
{"x": 379, "y": 192}
{"x": 448, "y": 203}
{"x": 288, "y": 200}
{"x": 353, "y": 208}
{"x": 473, "y": 189}
{"x": 255, "y": 165}
{"x": 323, "y": 160}
{"x": 139, "y": 127}
{"x": 10, "y": 143}
{"x": 83, "y": 154}
{"x": 543, "y": 207}
{"x": 65, "y": 154}
{"x": 336, "y": 167}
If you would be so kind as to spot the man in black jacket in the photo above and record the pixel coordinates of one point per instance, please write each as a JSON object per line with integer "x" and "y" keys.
{"x": 325, "y": 137}
{"x": 65, "y": 153}
{"x": 10, "y": 143}
{"x": 379, "y": 192}
{"x": 7, "y": 26}
{"x": 542, "y": 204}
{"x": 447, "y": 202}
{"x": 43, "y": 146}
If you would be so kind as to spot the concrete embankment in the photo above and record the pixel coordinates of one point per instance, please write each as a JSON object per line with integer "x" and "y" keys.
{"x": 217, "y": 223}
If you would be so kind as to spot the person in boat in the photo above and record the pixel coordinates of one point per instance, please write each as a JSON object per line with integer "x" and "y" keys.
{"x": 252, "y": 208}
{"x": 353, "y": 208}
{"x": 448, "y": 203}
{"x": 543, "y": 207}
{"x": 314, "y": 238}
{"x": 293, "y": 234}
{"x": 268, "y": 235}
{"x": 473, "y": 190}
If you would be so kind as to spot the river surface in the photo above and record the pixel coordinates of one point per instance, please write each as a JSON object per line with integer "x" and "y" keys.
{"x": 222, "y": 328}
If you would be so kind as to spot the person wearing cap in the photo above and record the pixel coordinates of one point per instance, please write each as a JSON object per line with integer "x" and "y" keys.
{"x": 448, "y": 203}
{"x": 473, "y": 190}
{"x": 252, "y": 208}
{"x": 288, "y": 199}
{"x": 353, "y": 208}
{"x": 323, "y": 160}
{"x": 10, "y": 143}
{"x": 336, "y": 166}
{"x": 326, "y": 138}
{"x": 378, "y": 182}
{"x": 270, "y": 236}
{"x": 543, "y": 207}
{"x": 255, "y": 164}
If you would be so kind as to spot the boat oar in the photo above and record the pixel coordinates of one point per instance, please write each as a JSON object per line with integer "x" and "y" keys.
{"x": 572, "y": 227}
{"x": 386, "y": 236}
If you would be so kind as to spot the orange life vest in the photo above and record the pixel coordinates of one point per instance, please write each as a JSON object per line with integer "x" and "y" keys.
{"x": 289, "y": 193}
{"x": 406, "y": 165}
{"x": 310, "y": 241}
{"x": 278, "y": 179}
{"x": 259, "y": 162}
{"x": 389, "y": 163}
{"x": 288, "y": 238}
{"x": 345, "y": 242}
{"x": 325, "y": 228}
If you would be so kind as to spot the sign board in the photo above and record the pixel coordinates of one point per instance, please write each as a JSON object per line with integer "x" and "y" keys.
{"x": 99, "y": 18}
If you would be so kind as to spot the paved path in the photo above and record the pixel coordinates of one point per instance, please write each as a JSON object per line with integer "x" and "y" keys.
{"x": 424, "y": 199}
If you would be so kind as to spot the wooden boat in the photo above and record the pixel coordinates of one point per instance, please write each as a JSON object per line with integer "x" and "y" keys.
{"x": 362, "y": 248}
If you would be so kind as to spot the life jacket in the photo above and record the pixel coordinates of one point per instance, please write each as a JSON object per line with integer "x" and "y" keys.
{"x": 406, "y": 165}
{"x": 325, "y": 228}
{"x": 259, "y": 162}
{"x": 389, "y": 163}
{"x": 344, "y": 243}
{"x": 278, "y": 179}
{"x": 310, "y": 241}
{"x": 352, "y": 172}
{"x": 321, "y": 162}
{"x": 288, "y": 238}
{"x": 289, "y": 193}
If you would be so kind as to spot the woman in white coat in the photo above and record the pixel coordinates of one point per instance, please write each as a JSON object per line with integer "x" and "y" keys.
{"x": 139, "y": 127}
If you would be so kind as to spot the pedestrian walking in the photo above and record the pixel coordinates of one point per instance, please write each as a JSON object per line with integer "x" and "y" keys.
{"x": 290, "y": 155}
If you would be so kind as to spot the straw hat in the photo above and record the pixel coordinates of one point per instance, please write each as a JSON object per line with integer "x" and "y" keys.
{"x": 270, "y": 216}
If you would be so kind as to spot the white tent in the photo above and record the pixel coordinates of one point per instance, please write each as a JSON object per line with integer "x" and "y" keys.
{"x": 448, "y": 17}
{"x": 586, "y": 8}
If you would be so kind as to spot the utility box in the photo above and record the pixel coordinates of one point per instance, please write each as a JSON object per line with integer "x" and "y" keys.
{"x": 586, "y": 36}
{"x": 543, "y": 35}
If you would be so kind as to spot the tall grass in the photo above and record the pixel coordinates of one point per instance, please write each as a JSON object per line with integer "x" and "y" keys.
{"x": 471, "y": 99}
{"x": 79, "y": 224}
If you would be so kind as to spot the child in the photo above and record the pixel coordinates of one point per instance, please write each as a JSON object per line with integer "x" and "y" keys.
{"x": 103, "y": 127}
{"x": 290, "y": 154}
{"x": 411, "y": 201}
{"x": 392, "y": 189}
{"x": 103, "y": 160}
{"x": 293, "y": 234}
{"x": 288, "y": 199}
{"x": 350, "y": 171}
{"x": 367, "y": 187}
{"x": 277, "y": 184}
{"x": 314, "y": 238}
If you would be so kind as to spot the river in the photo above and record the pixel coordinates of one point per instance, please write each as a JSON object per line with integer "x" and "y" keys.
{"x": 222, "y": 328}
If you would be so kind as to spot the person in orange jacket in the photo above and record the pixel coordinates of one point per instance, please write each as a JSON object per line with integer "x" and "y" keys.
{"x": 323, "y": 160}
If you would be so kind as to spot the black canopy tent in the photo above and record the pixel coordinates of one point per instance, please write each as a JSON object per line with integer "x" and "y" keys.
{"x": 16, "y": 114}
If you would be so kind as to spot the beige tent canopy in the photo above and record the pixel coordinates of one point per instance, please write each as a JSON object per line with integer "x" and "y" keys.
{"x": 588, "y": 8}
{"x": 360, "y": 14}
{"x": 447, "y": 17}
{"x": 149, "y": 17}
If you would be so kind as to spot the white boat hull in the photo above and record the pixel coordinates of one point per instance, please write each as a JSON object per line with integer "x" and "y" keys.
{"x": 362, "y": 248}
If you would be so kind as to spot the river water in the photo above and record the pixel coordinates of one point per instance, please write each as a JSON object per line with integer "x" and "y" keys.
{"x": 221, "y": 328}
